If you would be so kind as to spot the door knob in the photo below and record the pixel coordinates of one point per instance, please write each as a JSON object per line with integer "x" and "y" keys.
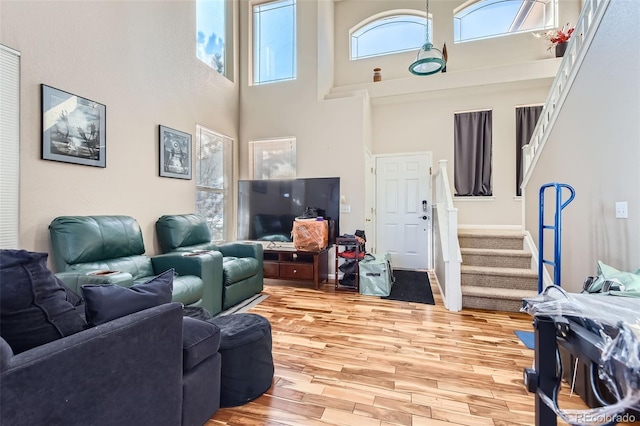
{"x": 424, "y": 217}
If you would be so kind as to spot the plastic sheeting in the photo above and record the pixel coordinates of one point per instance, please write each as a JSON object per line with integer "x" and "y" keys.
{"x": 310, "y": 234}
{"x": 616, "y": 320}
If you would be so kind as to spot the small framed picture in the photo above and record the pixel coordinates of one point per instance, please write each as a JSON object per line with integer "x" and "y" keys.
{"x": 175, "y": 153}
{"x": 73, "y": 128}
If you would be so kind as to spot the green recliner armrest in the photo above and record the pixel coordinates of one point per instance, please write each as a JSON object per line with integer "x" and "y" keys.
{"x": 236, "y": 249}
{"x": 207, "y": 266}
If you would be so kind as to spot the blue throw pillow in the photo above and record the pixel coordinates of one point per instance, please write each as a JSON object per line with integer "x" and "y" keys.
{"x": 35, "y": 308}
{"x": 106, "y": 302}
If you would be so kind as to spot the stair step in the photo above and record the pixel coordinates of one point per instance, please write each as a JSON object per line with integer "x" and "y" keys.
{"x": 496, "y": 258}
{"x": 502, "y": 278}
{"x": 509, "y": 300}
{"x": 496, "y": 272}
{"x": 491, "y": 240}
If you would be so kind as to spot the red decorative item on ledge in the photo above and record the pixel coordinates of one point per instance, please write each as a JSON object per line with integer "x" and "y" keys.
{"x": 558, "y": 39}
{"x": 561, "y": 48}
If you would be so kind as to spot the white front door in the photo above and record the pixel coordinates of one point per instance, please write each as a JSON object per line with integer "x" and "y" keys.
{"x": 403, "y": 209}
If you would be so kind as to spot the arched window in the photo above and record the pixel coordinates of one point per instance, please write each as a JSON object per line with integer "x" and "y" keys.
{"x": 391, "y": 32}
{"x": 478, "y": 19}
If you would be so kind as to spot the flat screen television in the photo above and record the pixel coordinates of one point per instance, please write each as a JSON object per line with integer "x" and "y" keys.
{"x": 267, "y": 208}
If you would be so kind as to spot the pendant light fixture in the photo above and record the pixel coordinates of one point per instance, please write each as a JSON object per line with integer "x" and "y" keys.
{"x": 429, "y": 59}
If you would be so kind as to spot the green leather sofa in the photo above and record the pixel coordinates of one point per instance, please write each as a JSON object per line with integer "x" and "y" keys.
{"x": 242, "y": 263}
{"x": 110, "y": 249}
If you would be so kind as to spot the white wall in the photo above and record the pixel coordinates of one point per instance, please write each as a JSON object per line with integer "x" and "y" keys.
{"x": 427, "y": 125}
{"x": 138, "y": 59}
{"x": 330, "y": 133}
{"x": 595, "y": 147}
{"x": 462, "y": 56}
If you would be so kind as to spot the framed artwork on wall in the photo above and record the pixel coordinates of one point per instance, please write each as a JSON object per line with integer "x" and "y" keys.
{"x": 175, "y": 153}
{"x": 73, "y": 128}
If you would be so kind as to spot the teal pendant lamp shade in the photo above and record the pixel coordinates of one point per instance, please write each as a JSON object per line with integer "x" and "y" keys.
{"x": 429, "y": 59}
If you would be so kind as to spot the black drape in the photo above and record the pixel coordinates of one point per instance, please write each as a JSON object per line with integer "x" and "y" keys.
{"x": 526, "y": 119}
{"x": 472, "y": 153}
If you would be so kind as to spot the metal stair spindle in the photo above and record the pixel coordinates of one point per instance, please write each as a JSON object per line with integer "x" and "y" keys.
{"x": 557, "y": 230}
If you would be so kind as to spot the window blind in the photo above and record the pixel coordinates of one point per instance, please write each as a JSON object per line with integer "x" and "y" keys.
{"x": 9, "y": 146}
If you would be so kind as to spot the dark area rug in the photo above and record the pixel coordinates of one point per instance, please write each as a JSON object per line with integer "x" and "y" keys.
{"x": 411, "y": 286}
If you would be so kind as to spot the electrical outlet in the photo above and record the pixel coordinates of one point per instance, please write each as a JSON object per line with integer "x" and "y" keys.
{"x": 621, "y": 210}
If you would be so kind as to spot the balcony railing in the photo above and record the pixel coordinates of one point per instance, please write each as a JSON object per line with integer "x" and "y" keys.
{"x": 585, "y": 29}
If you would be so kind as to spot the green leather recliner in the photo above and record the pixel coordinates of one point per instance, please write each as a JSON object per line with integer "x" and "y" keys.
{"x": 110, "y": 249}
{"x": 241, "y": 262}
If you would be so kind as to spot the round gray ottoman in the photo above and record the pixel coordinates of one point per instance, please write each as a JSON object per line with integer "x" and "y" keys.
{"x": 247, "y": 362}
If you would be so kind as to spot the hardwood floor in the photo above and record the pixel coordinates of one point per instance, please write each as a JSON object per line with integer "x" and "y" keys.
{"x": 346, "y": 359}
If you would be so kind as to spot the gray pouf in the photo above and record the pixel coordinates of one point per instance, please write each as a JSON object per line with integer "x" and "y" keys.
{"x": 247, "y": 362}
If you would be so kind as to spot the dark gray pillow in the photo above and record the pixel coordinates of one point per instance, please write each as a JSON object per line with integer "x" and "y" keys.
{"x": 35, "y": 308}
{"x": 106, "y": 302}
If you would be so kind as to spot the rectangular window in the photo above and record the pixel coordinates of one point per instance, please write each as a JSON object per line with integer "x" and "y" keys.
{"x": 273, "y": 158}
{"x": 526, "y": 120}
{"x": 274, "y": 41}
{"x": 213, "y": 31}
{"x": 214, "y": 177}
{"x": 472, "y": 153}
{"x": 9, "y": 147}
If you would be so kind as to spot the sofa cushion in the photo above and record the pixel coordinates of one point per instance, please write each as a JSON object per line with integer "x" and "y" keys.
{"x": 200, "y": 340}
{"x": 106, "y": 302}
{"x": 94, "y": 238}
{"x": 187, "y": 289}
{"x": 239, "y": 269}
{"x": 35, "y": 307}
{"x": 139, "y": 266}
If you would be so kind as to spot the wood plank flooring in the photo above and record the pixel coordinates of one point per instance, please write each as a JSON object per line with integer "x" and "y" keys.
{"x": 346, "y": 359}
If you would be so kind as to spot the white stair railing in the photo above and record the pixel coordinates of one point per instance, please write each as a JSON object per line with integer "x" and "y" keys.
{"x": 585, "y": 29}
{"x": 447, "y": 253}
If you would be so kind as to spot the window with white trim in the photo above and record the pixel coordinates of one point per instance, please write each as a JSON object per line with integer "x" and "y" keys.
{"x": 274, "y": 41}
{"x": 272, "y": 158}
{"x": 389, "y": 33}
{"x": 214, "y": 35}
{"x": 214, "y": 178}
{"x": 480, "y": 19}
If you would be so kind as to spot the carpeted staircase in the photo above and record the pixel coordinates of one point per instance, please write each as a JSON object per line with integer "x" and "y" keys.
{"x": 496, "y": 272}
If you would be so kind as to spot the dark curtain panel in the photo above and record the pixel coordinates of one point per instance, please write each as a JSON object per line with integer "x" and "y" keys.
{"x": 472, "y": 153}
{"x": 526, "y": 120}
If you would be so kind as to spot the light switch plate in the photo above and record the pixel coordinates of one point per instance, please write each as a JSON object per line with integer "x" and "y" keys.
{"x": 622, "y": 211}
